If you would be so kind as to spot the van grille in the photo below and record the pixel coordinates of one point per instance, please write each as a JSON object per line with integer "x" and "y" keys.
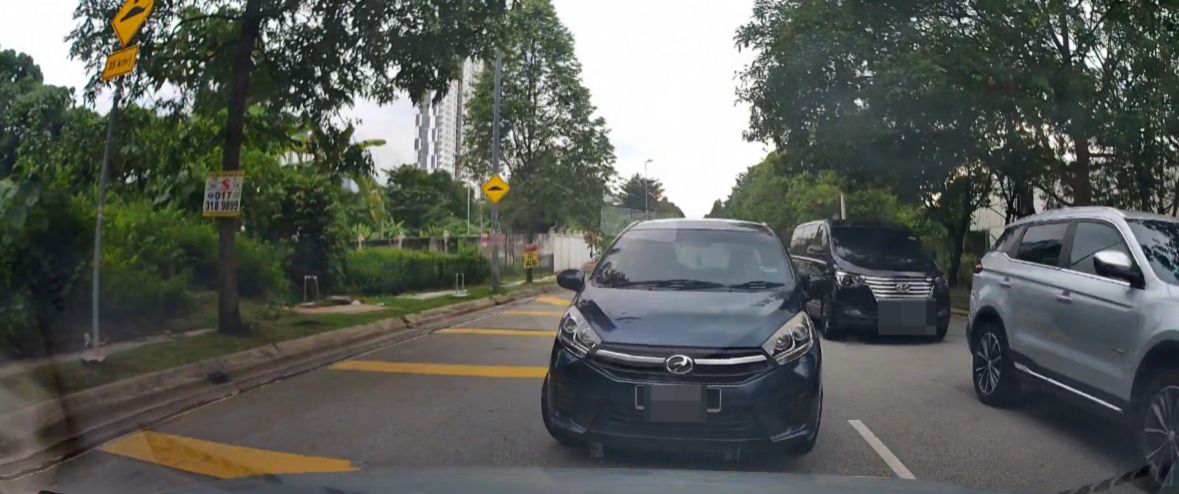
{"x": 899, "y": 287}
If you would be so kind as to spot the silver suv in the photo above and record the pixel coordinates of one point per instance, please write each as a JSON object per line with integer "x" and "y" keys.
{"x": 1084, "y": 301}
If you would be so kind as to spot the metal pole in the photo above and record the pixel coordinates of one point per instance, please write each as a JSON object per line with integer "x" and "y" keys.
{"x": 495, "y": 116}
{"x": 646, "y": 193}
{"x": 102, "y": 179}
{"x": 842, "y": 207}
{"x": 468, "y": 189}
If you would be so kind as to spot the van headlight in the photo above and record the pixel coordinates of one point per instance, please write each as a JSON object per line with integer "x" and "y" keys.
{"x": 792, "y": 340}
{"x": 848, "y": 279}
{"x": 576, "y": 334}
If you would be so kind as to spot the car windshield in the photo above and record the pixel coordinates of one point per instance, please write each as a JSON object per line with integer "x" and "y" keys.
{"x": 859, "y": 243}
{"x": 1159, "y": 241}
{"x": 695, "y": 259}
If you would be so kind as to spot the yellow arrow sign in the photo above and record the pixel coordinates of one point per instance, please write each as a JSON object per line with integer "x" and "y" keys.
{"x": 131, "y": 18}
{"x": 120, "y": 63}
{"x": 495, "y": 189}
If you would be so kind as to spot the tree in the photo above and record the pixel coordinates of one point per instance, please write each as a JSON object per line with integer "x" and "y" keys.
{"x": 641, "y": 193}
{"x": 717, "y": 211}
{"x": 309, "y": 57}
{"x": 421, "y": 199}
{"x": 1074, "y": 100}
{"x": 556, "y": 153}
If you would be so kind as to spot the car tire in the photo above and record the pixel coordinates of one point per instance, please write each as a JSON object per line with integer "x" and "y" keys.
{"x": 992, "y": 371}
{"x": 829, "y": 326}
{"x": 1156, "y": 441}
{"x": 560, "y": 435}
{"x": 942, "y": 329}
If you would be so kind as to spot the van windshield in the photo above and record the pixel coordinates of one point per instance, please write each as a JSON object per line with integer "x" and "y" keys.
{"x": 695, "y": 259}
{"x": 880, "y": 248}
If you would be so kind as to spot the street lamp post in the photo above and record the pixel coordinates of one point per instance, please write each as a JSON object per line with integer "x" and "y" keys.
{"x": 646, "y": 193}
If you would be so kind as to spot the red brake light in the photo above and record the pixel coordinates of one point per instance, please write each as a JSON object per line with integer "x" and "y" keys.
{"x": 978, "y": 267}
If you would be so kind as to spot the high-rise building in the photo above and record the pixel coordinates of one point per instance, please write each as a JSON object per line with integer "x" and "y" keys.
{"x": 439, "y": 142}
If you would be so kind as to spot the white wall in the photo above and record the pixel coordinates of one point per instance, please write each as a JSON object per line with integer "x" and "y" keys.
{"x": 569, "y": 250}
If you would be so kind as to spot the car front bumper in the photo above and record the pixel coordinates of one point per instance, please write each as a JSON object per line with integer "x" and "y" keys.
{"x": 779, "y": 406}
{"x": 857, "y": 309}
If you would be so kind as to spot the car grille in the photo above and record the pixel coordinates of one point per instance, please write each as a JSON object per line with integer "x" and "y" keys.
{"x": 890, "y": 287}
{"x": 656, "y": 372}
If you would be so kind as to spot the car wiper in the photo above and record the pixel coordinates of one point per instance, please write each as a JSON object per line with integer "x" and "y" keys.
{"x": 677, "y": 284}
{"x": 756, "y": 285}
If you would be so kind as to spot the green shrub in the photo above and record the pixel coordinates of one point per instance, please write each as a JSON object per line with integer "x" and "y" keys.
{"x": 133, "y": 290}
{"x": 391, "y": 271}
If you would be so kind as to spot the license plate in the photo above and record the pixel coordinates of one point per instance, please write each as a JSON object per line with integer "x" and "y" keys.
{"x": 912, "y": 317}
{"x": 676, "y": 403}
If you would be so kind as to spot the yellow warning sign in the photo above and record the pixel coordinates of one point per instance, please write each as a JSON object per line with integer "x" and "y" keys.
{"x": 495, "y": 189}
{"x": 120, "y": 63}
{"x": 130, "y": 19}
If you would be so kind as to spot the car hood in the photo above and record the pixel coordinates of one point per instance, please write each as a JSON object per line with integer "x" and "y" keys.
{"x": 887, "y": 265}
{"x": 573, "y": 481}
{"x": 687, "y": 318}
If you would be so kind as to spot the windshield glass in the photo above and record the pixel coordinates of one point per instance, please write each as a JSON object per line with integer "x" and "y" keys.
{"x": 1159, "y": 241}
{"x": 695, "y": 259}
{"x": 866, "y": 243}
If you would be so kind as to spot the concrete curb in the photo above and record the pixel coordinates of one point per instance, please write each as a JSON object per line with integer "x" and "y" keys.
{"x": 960, "y": 312}
{"x": 39, "y": 436}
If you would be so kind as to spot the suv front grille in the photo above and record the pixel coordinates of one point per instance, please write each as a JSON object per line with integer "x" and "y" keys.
{"x": 899, "y": 287}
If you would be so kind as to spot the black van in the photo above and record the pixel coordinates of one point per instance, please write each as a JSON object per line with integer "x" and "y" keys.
{"x": 870, "y": 277}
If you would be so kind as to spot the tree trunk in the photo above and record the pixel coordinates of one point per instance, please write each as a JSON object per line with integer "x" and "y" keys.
{"x": 229, "y": 318}
{"x": 1079, "y": 178}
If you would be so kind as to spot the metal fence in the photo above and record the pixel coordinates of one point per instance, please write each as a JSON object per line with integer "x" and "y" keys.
{"x": 557, "y": 251}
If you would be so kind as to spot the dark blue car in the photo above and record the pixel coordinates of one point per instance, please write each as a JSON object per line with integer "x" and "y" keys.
{"x": 687, "y": 332}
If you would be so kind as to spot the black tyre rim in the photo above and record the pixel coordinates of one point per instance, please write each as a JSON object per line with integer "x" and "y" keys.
{"x": 1160, "y": 433}
{"x": 988, "y": 360}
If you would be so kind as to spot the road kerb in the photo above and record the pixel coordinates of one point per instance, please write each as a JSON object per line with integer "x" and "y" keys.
{"x": 960, "y": 312}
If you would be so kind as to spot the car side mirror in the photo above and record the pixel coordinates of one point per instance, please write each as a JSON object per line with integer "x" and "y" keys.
{"x": 814, "y": 250}
{"x": 1118, "y": 265}
{"x": 571, "y": 279}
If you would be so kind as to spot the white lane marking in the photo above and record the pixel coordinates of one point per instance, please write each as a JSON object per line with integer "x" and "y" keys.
{"x": 893, "y": 462}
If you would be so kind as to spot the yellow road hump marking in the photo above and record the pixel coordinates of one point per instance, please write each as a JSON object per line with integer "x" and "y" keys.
{"x": 498, "y": 332}
{"x": 442, "y": 369}
{"x": 553, "y": 301}
{"x": 222, "y": 461}
{"x": 543, "y": 313}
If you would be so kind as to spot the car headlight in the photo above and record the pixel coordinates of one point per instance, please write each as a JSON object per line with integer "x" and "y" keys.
{"x": 792, "y": 340}
{"x": 939, "y": 281}
{"x": 848, "y": 279}
{"x": 576, "y": 334}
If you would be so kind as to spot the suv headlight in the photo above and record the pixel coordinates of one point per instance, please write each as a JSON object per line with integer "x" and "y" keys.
{"x": 847, "y": 279}
{"x": 792, "y": 340}
{"x": 940, "y": 281}
{"x": 576, "y": 334}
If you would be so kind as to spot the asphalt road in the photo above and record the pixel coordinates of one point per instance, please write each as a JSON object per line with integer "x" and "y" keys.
{"x": 894, "y": 408}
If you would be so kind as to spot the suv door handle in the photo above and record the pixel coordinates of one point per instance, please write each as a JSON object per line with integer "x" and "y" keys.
{"x": 1005, "y": 283}
{"x": 1064, "y": 298}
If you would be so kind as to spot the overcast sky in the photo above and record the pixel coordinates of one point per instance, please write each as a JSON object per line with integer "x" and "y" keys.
{"x": 661, "y": 72}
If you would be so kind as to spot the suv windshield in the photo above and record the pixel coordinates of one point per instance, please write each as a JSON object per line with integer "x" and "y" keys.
{"x": 1160, "y": 243}
{"x": 879, "y": 248}
{"x": 682, "y": 259}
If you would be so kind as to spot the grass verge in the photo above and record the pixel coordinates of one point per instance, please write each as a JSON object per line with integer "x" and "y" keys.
{"x": 267, "y": 325}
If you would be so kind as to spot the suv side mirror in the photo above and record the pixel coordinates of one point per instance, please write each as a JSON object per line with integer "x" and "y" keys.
{"x": 1118, "y": 265}
{"x": 815, "y": 250}
{"x": 571, "y": 279}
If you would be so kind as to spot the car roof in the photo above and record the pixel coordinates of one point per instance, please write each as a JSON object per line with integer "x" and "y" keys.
{"x": 699, "y": 224}
{"x": 1097, "y": 212}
